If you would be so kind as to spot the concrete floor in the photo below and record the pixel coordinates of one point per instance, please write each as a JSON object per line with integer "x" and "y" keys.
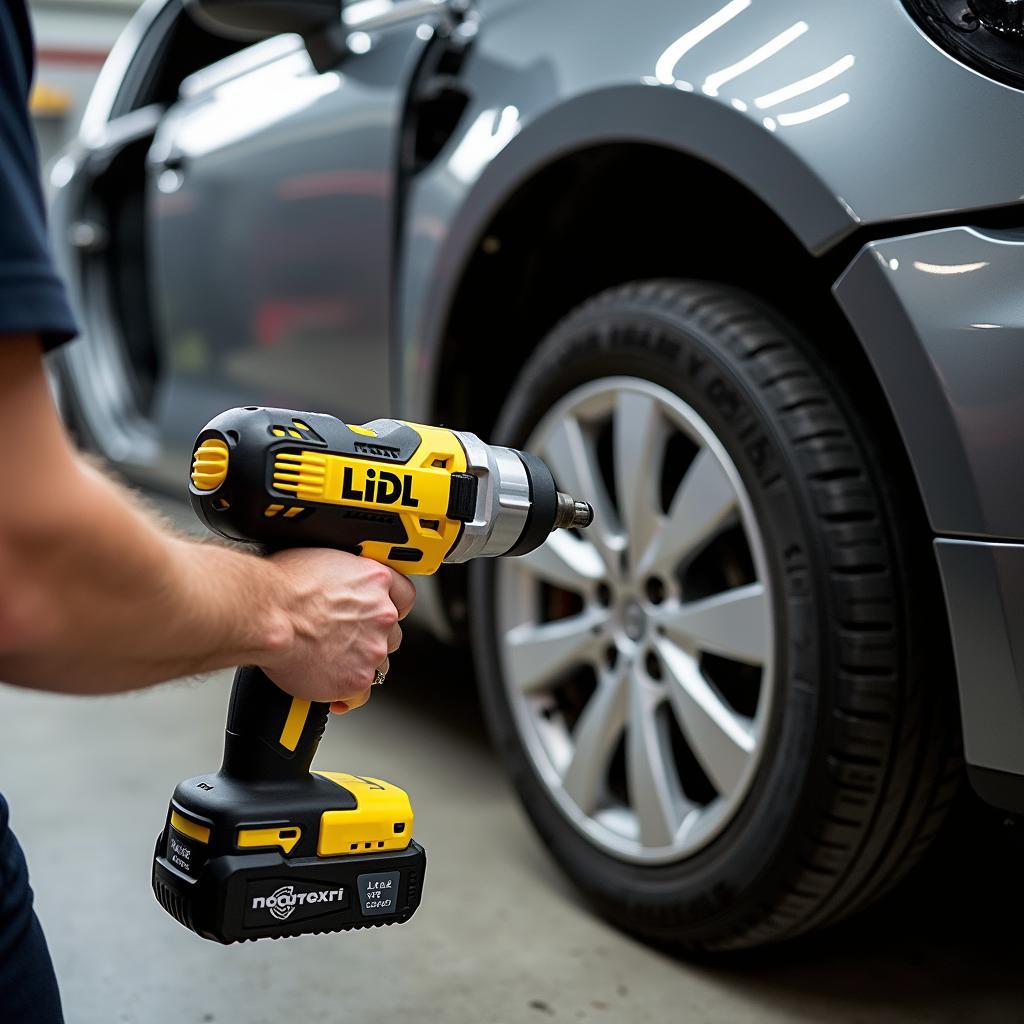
{"x": 500, "y": 936}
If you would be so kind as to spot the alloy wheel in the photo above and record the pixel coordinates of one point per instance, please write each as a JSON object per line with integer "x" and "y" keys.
{"x": 639, "y": 655}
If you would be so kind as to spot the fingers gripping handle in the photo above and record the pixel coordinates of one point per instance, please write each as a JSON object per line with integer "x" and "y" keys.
{"x": 270, "y": 736}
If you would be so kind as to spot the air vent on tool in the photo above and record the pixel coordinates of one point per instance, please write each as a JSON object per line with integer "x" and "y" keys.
{"x": 298, "y": 430}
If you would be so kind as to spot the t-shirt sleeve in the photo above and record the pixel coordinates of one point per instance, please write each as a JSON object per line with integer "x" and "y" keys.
{"x": 32, "y": 296}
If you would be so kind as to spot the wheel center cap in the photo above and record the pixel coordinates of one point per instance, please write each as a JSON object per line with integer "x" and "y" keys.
{"x": 634, "y": 621}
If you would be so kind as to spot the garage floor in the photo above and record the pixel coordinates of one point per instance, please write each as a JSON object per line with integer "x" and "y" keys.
{"x": 500, "y": 936}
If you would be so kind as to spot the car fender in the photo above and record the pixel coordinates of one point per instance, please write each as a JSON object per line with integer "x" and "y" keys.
{"x": 940, "y": 316}
{"x": 445, "y": 241}
{"x": 770, "y": 94}
{"x": 441, "y": 237}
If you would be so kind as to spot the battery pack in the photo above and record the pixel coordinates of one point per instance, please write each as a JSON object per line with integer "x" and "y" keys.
{"x": 242, "y": 860}
{"x": 265, "y": 895}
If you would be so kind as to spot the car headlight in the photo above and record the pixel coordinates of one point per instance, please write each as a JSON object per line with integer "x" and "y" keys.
{"x": 1003, "y": 16}
{"x": 988, "y": 35}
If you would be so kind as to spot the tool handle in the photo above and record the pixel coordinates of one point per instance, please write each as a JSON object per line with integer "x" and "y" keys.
{"x": 270, "y": 736}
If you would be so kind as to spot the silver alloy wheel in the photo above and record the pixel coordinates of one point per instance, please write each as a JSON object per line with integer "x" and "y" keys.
{"x": 627, "y": 624}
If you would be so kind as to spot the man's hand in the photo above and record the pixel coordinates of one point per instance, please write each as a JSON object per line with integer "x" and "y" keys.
{"x": 345, "y": 612}
{"x": 96, "y": 597}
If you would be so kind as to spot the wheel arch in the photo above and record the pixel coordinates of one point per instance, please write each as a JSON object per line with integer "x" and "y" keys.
{"x": 710, "y": 145}
{"x": 603, "y": 213}
{"x": 598, "y": 215}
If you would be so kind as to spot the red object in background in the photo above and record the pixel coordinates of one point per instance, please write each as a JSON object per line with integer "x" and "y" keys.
{"x": 274, "y": 321}
{"x": 70, "y": 55}
{"x": 330, "y": 183}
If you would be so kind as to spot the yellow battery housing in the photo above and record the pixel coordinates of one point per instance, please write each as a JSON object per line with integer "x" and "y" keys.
{"x": 381, "y": 820}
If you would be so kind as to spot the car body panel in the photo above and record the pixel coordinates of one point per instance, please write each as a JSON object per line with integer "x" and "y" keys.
{"x": 941, "y": 316}
{"x": 984, "y": 589}
{"x": 547, "y": 79}
{"x": 279, "y": 292}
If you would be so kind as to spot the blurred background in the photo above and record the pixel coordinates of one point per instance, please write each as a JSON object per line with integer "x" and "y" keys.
{"x": 73, "y": 38}
{"x": 503, "y": 935}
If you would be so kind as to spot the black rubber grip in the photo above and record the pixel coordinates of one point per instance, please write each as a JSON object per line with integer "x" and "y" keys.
{"x": 543, "y": 505}
{"x": 261, "y": 744}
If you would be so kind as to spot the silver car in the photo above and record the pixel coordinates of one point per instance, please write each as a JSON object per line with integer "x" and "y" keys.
{"x": 747, "y": 274}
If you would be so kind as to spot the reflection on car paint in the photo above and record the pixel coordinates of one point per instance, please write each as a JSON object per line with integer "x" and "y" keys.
{"x": 665, "y": 70}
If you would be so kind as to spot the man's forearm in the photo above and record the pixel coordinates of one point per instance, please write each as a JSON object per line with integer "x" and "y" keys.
{"x": 100, "y": 598}
{"x": 94, "y": 595}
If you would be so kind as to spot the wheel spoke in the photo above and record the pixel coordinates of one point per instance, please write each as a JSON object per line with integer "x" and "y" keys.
{"x": 654, "y": 791}
{"x": 733, "y": 624}
{"x": 594, "y": 737}
{"x": 639, "y": 433}
{"x": 539, "y": 653}
{"x": 703, "y": 504}
{"x": 619, "y": 767}
{"x": 573, "y": 462}
{"x": 565, "y": 561}
{"x": 719, "y": 739}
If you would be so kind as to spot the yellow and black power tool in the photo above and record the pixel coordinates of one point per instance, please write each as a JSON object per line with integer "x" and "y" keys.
{"x": 264, "y": 847}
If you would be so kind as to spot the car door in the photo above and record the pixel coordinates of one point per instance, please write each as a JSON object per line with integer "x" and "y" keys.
{"x": 272, "y": 195}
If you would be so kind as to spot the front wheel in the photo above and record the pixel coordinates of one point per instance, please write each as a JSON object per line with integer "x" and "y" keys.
{"x": 715, "y": 703}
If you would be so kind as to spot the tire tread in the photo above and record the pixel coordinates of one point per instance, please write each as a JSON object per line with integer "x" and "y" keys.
{"x": 891, "y": 801}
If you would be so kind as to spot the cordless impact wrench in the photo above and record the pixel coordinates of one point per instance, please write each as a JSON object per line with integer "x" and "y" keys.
{"x": 265, "y": 847}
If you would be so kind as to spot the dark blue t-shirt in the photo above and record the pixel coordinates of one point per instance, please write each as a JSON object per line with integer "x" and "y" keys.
{"x": 32, "y": 301}
{"x": 32, "y": 297}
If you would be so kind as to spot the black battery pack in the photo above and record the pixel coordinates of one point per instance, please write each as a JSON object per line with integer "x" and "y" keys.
{"x": 319, "y": 852}
{"x": 235, "y": 897}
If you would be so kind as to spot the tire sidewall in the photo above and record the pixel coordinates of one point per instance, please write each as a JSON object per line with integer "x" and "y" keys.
{"x": 717, "y": 887}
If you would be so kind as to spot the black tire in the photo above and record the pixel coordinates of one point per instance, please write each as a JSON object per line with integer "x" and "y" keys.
{"x": 861, "y": 758}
